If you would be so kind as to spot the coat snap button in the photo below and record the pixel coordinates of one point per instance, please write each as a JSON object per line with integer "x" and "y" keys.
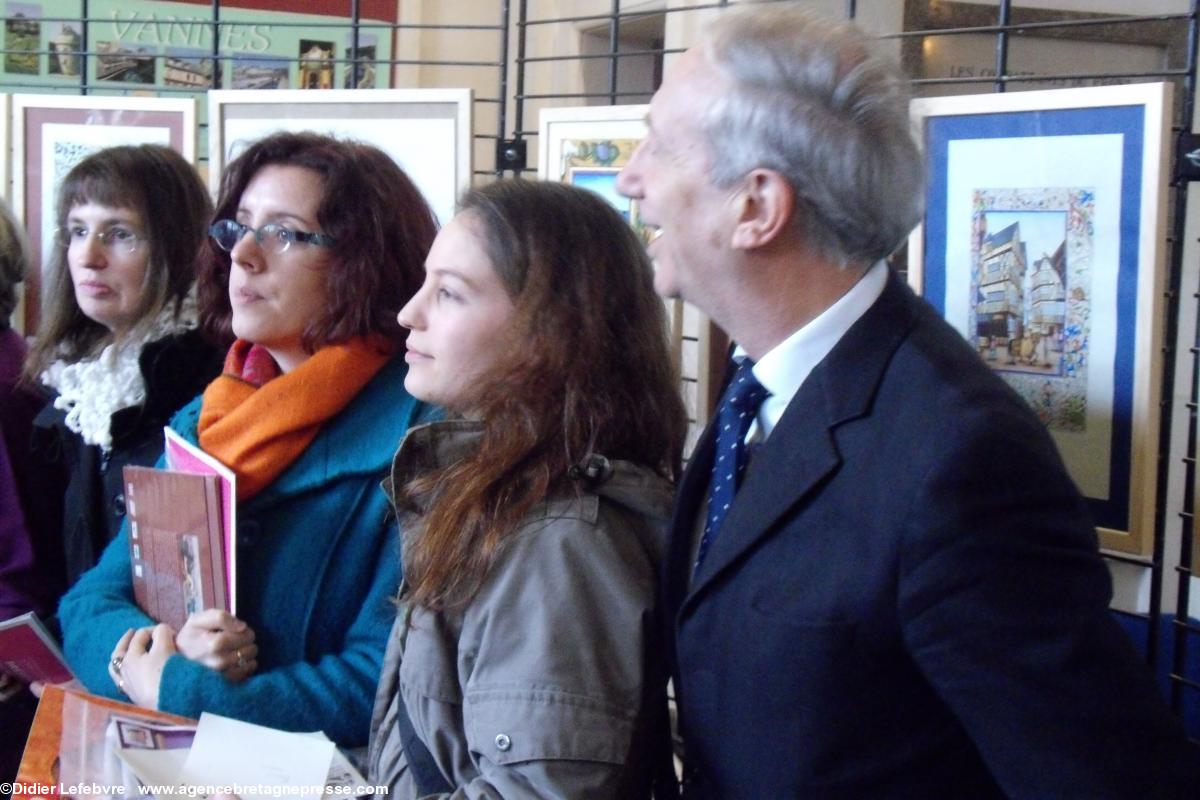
{"x": 503, "y": 742}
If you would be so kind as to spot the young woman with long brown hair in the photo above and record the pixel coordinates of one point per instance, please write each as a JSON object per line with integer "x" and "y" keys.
{"x": 524, "y": 659}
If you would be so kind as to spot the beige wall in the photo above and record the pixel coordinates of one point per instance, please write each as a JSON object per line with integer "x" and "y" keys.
{"x": 447, "y": 45}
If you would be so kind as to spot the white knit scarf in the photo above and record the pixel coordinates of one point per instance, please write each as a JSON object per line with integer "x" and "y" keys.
{"x": 94, "y": 389}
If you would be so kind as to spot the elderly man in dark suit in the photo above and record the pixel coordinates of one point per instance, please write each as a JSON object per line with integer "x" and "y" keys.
{"x": 900, "y": 593}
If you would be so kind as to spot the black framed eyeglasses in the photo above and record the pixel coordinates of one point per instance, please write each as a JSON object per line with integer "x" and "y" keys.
{"x": 272, "y": 237}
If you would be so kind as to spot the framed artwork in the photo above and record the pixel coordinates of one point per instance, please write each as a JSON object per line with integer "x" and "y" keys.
{"x": 426, "y": 131}
{"x": 1043, "y": 243}
{"x": 587, "y": 147}
{"x": 52, "y": 133}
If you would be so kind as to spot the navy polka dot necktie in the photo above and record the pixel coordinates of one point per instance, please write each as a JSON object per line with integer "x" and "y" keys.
{"x": 738, "y": 408}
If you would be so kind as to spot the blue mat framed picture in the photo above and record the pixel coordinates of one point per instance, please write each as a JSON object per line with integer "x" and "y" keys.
{"x": 1043, "y": 242}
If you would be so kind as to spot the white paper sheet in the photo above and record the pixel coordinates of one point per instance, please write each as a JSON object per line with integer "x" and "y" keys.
{"x": 259, "y": 761}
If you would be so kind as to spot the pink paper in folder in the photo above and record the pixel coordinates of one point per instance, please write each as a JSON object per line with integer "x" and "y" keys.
{"x": 184, "y": 456}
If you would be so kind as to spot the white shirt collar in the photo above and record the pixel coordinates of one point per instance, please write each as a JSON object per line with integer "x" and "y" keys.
{"x": 786, "y": 366}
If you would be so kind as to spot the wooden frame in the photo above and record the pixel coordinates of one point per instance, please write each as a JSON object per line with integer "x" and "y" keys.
{"x": 427, "y": 131}
{"x": 587, "y": 146}
{"x": 1043, "y": 242}
{"x": 50, "y": 133}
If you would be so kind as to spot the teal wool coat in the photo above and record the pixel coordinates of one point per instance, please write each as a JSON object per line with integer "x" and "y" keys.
{"x": 317, "y": 568}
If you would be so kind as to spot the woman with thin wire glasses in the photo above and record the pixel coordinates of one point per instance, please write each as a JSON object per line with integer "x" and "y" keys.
{"x": 317, "y": 244}
{"x": 119, "y": 345}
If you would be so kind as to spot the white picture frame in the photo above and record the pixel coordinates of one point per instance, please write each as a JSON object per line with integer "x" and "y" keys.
{"x": 428, "y": 132}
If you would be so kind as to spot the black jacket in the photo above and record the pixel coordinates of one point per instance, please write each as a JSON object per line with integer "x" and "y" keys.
{"x": 905, "y": 599}
{"x": 176, "y": 368}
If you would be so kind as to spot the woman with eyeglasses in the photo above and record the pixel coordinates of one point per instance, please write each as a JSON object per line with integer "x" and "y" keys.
{"x": 118, "y": 343}
{"x": 316, "y": 246}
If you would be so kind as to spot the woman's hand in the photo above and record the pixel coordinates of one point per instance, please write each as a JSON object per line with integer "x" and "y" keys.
{"x": 219, "y": 641}
{"x": 138, "y": 660}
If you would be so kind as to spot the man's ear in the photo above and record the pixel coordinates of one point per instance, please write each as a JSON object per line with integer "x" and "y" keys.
{"x": 764, "y": 205}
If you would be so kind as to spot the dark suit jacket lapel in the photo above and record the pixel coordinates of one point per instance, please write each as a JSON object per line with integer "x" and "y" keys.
{"x": 692, "y": 490}
{"x": 802, "y": 450}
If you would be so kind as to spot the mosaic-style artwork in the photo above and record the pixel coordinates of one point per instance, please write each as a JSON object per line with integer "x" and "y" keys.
{"x": 1031, "y": 295}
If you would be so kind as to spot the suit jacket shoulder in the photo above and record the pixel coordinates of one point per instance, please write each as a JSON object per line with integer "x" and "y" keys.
{"x": 907, "y": 591}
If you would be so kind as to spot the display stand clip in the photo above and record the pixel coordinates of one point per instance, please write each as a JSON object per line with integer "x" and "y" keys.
{"x": 1188, "y": 163}
{"x": 510, "y": 154}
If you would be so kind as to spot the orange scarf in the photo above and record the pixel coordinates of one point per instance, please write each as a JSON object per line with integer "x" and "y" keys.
{"x": 258, "y": 431}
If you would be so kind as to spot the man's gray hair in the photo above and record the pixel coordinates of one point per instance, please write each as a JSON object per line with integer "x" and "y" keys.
{"x": 814, "y": 102}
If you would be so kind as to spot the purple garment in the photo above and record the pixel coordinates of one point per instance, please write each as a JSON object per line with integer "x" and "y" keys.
{"x": 30, "y": 578}
{"x": 17, "y": 592}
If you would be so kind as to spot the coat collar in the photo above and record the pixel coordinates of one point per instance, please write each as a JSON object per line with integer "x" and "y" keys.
{"x": 802, "y": 447}
{"x": 358, "y": 441}
{"x": 439, "y": 444}
{"x": 175, "y": 369}
{"x": 435, "y": 445}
